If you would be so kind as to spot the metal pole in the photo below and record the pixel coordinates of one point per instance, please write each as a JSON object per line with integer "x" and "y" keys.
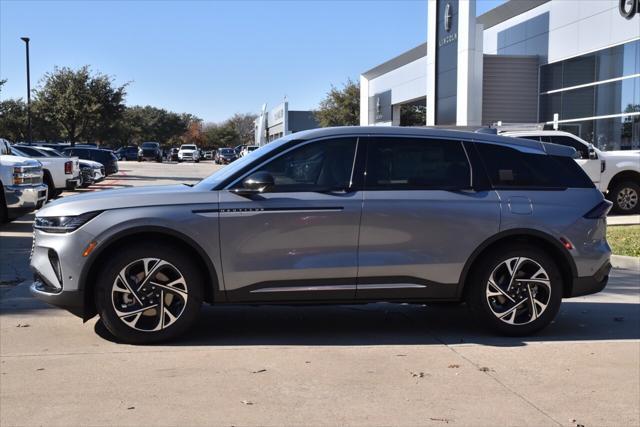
{"x": 30, "y": 134}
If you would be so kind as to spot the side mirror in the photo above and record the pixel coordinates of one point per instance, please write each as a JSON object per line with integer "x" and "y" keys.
{"x": 593, "y": 155}
{"x": 258, "y": 182}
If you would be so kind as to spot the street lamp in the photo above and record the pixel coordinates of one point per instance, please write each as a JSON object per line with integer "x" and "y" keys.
{"x": 26, "y": 41}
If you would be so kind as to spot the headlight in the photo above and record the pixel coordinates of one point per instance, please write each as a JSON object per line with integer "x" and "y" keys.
{"x": 26, "y": 175}
{"x": 63, "y": 224}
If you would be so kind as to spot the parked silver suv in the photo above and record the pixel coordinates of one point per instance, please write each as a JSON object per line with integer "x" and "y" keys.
{"x": 340, "y": 215}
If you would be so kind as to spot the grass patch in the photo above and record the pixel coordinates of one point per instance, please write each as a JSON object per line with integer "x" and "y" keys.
{"x": 624, "y": 239}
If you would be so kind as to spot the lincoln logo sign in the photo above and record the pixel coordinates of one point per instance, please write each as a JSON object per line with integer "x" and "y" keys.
{"x": 628, "y": 8}
{"x": 448, "y": 22}
{"x": 447, "y": 17}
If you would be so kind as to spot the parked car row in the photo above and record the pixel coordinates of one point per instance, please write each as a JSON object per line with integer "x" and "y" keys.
{"x": 54, "y": 167}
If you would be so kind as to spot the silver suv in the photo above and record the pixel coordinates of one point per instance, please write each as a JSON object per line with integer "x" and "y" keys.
{"x": 340, "y": 216}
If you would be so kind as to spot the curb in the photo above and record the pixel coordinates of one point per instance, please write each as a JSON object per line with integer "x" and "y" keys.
{"x": 625, "y": 262}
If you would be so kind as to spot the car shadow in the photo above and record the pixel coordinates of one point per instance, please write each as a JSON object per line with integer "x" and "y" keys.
{"x": 394, "y": 324}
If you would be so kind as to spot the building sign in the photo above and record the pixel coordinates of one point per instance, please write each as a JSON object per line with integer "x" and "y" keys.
{"x": 380, "y": 107}
{"x": 446, "y": 75}
{"x": 276, "y": 115}
{"x": 628, "y": 8}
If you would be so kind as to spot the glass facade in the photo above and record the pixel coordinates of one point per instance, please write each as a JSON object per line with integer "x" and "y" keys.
{"x": 582, "y": 104}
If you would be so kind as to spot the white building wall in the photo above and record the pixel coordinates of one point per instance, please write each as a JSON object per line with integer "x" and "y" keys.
{"x": 406, "y": 83}
{"x": 575, "y": 27}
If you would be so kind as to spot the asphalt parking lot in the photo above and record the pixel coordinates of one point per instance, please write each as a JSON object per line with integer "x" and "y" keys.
{"x": 376, "y": 364}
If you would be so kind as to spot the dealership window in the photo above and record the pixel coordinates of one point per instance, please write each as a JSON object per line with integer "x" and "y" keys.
{"x": 416, "y": 164}
{"x": 323, "y": 165}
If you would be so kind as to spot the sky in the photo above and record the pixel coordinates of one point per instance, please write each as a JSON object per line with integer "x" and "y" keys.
{"x": 211, "y": 58}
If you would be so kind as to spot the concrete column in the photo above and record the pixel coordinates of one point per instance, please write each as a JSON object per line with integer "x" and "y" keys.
{"x": 469, "y": 102}
{"x": 432, "y": 42}
{"x": 364, "y": 101}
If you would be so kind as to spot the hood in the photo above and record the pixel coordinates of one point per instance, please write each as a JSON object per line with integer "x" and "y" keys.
{"x": 90, "y": 163}
{"x": 127, "y": 198}
{"x": 629, "y": 154}
{"x": 7, "y": 160}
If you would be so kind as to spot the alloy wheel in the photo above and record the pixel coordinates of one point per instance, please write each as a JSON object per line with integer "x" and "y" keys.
{"x": 627, "y": 198}
{"x": 149, "y": 294}
{"x": 518, "y": 291}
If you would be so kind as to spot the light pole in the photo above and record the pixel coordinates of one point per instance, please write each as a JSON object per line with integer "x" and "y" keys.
{"x": 30, "y": 135}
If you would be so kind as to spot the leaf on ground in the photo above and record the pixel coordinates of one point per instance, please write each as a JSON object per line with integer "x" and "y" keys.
{"x": 131, "y": 407}
{"x": 444, "y": 420}
{"x": 246, "y": 402}
{"x": 22, "y": 325}
{"x": 258, "y": 371}
{"x": 453, "y": 366}
{"x": 417, "y": 374}
{"x": 485, "y": 369}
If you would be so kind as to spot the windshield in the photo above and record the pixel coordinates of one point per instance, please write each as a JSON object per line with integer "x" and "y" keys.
{"x": 188, "y": 147}
{"x": 227, "y": 150}
{"x": 50, "y": 152}
{"x": 149, "y": 144}
{"x": 216, "y": 178}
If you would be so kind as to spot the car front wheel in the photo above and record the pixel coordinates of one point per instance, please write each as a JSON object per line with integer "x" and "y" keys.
{"x": 147, "y": 294}
{"x": 516, "y": 290}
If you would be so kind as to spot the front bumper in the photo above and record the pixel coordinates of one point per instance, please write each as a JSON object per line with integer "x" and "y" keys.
{"x": 72, "y": 301}
{"x": 591, "y": 284}
{"x": 24, "y": 199}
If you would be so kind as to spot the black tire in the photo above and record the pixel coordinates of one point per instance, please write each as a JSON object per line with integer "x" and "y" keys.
{"x": 625, "y": 197}
{"x": 139, "y": 159}
{"x": 52, "y": 192}
{"x": 478, "y": 300}
{"x": 124, "y": 257}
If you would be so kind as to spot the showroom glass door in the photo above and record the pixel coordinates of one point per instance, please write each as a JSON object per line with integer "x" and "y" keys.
{"x": 297, "y": 240}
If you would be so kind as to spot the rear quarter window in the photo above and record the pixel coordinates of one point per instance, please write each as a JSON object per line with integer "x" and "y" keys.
{"x": 510, "y": 168}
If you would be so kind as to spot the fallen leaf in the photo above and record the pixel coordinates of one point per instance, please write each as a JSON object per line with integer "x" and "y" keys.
{"x": 258, "y": 371}
{"x": 40, "y": 369}
{"x": 20, "y": 325}
{"x": 131, "y": 407}
{"x": 453, "y": 366}
{"x": 444, "y": 420}
{"x": 401, "y": 355}
{"x": 485, "y": 369}
{"x": 246, "y": 402}
{"x": 417, "y": 374}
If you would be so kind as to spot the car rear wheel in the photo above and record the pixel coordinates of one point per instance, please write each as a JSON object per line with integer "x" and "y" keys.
{"x": 516, "y": 290}
{"x": 626, "y": 197}
{"x": 147, "y": 294}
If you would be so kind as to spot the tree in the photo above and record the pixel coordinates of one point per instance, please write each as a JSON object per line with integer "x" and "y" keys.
{"x": 149, "y": 123}
{"x": 341, "y": 107}
{"x": 244, "y": 125}
{"x": 13, "y": 119}
{"x": 84, "y": 105}
{"x": 221, "y": 135}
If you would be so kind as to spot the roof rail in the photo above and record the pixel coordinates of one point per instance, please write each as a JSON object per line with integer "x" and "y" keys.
{"x": 514, "y": 127}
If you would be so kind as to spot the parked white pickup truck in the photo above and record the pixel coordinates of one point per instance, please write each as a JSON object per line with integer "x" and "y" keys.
{"x": 615, "y": 173}
{"x": 21, "y": 187}
{"x": 60, "y": 173}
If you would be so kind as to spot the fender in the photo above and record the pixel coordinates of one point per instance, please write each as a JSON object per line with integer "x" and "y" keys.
{"x": 218, "y": 294}
{"x": 516, "y": 232}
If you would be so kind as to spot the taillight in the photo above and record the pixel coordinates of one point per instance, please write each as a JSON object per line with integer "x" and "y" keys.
{"x": 68, "y": 168}
{"x": 600, "y": 211}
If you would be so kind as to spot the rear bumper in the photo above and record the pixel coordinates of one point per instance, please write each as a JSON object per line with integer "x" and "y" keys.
{"x": 591, "y": 284}
{"x": 21, "y": 200}
{"x": 73, "y": 183}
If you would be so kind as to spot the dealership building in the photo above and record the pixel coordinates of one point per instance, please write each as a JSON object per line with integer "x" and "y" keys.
{"x": 571, "y": 65}
{"x": 281, "y": 121}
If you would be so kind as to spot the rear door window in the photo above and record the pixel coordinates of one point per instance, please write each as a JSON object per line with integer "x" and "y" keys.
{"x": 581, "y": 148}
{"x": 395, "y": 163}
{"x": 509, "y": 168}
